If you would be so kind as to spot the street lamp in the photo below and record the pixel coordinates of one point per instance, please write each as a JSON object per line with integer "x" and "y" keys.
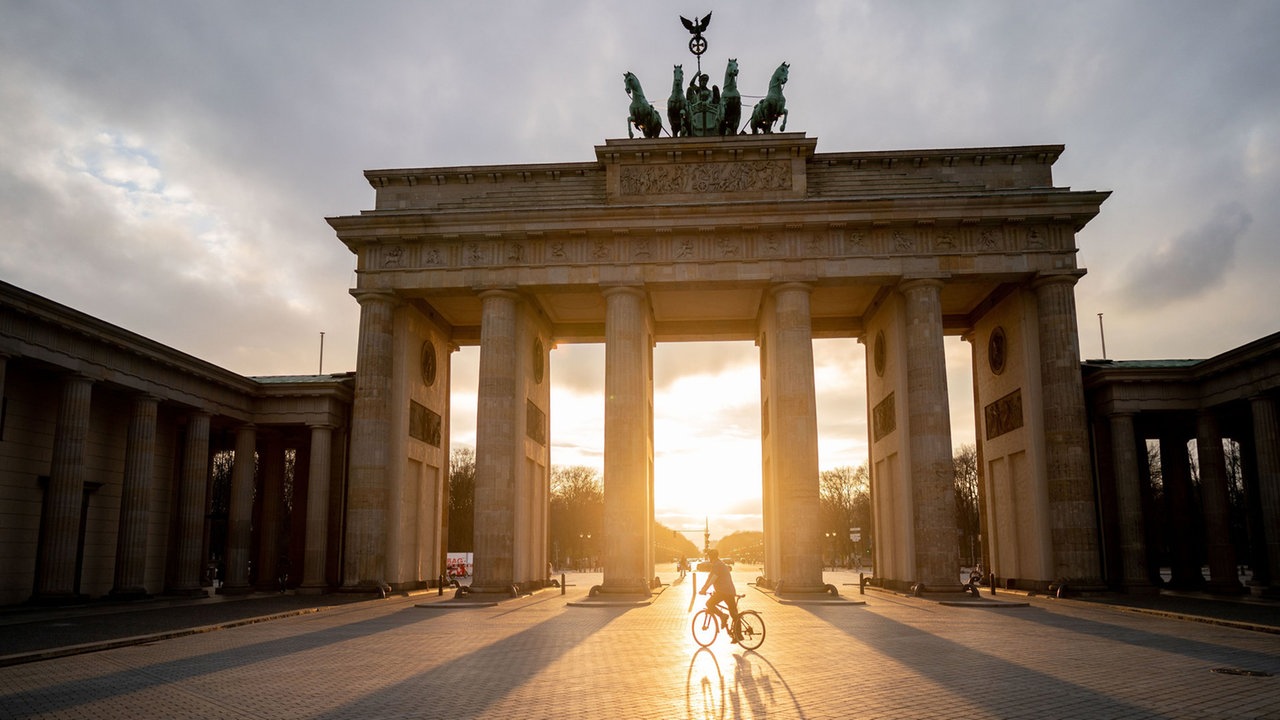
{"x": 832, "y": 537}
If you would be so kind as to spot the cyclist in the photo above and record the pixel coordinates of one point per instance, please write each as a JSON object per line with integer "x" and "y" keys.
{"x": 721, "y": 580}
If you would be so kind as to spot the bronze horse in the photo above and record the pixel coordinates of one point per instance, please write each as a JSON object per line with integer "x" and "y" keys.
{"x": 773, "y": 106}
{"x": 677, "y": 109}
{"x": 643, "y": 116}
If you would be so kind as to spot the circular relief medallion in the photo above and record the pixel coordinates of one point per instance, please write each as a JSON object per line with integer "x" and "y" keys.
{"x": 878, "y": 353}
{"x": 539, "y": 361}
{"x": 428, "y": 363}
{"x": 997, "y": 351}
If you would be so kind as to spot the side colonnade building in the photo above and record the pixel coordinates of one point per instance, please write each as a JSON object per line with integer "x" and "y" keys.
{"x": 108, "y": 448}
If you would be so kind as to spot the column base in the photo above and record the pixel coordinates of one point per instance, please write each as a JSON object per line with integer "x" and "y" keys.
{"x": 57, "y": 599}
{"x": 1227, "y": 587}
{"x": 186, "y": 592}
{"x": 132, "y": 593}
{"x": 1137, "y": 588}
{"x": 234, "y": 590}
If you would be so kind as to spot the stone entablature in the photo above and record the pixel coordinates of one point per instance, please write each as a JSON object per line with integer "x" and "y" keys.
{"x": 1185, "y": 385}
{"x": 679, "y": 213}
{"x": 33, "y": 328}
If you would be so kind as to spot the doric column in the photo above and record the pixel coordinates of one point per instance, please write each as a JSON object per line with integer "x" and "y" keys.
{"x": 494, "y": 532}
{"x": 1266, "y": 442}
{"x": 135, "y": 498}
{"x": 60, "y": 518}
{"x": 192, "y": 492}
{"x": 271, "y": 513}
{"x": 628, "y": 515}
{"x": 1132, "y": 529}
{"x": 929, "y": 419}
{"x": 1066, "y": 439}
{"x": 1175, "y": 474}
{"x": 240, "y": 511}
{"x": 1223, "y": 573}
{"x": 366, "y": 541}
{"x": 317, "y": 547}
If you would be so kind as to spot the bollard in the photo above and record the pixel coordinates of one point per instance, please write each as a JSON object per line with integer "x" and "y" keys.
{"x": 440, "y": 587}
{"x": 862, "y": 585}
{"x": 561, "y": 583}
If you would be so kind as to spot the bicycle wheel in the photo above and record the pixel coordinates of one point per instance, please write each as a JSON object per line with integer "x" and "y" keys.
{"x": 705, "y": 628}
{"x": 752, "y": 626}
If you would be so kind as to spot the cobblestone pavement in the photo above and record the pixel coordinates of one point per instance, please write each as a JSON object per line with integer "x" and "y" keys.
{"x": 541, "y": 657}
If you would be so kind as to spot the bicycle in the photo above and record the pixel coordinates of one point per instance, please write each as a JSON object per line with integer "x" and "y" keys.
{"x": 750, "y": 627}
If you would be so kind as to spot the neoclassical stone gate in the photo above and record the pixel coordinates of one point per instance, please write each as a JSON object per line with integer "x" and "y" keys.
{"x": 725, "y": 238}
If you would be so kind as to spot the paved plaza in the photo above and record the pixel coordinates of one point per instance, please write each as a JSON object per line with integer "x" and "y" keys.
{"x": 548, "y": 656}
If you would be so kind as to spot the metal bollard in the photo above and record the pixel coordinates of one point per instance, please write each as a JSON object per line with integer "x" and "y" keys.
{"x": 862, "y": 585}
{"x": 440, "y": 586}
{"x": 561, "y": 583}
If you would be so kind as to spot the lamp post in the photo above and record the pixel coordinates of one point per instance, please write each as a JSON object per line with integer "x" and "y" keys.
{"x": 832, "y": 537}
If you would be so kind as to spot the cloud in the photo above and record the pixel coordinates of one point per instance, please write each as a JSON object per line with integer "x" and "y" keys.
{"x": 1190, "y": 264}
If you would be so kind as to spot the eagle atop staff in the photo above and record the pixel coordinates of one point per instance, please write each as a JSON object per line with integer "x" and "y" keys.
{"x": 695, "y": 26}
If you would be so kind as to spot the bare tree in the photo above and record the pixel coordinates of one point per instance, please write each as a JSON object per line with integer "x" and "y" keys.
{"x": 577, "y": 515}
{"x": 965, "y": 465}
{"x": 844, "y": 494}
{"x": 462, "y": 497}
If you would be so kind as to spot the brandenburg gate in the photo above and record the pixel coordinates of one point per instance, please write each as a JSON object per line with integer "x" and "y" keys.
{"x": 735, "y": 237}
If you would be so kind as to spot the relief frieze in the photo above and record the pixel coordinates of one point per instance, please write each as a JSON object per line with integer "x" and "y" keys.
{"x": 1004, "y": 415}
{"x": 725, "y": 177}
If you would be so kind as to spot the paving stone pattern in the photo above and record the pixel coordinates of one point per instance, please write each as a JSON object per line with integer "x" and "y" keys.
{"x": 538, "y": 657}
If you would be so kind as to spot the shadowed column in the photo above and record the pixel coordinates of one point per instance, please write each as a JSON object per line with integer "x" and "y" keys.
{"x": 240, "y": 511}
{"x": 1266, "y": 442}
{"x": 1066, "y": 440}
{"x": 929, "y": 426}
{"x": 317, "y": 543}
{"x": 366, "y": 540}
{"x": 1133, "y": 535}
{"x": 1223, "y": 574}
{"x": 795, "y": 458}
{"x": 628, "y": 514}
{"x": 192, "y": 491}
{"x": 135, "y": 498}
{"x": 60, "y": 520}
{"x": 494, "y": 569}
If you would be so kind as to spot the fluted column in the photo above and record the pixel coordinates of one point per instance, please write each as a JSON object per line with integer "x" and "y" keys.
{"x": 1175, "y": 473}
{"x": 494, "y": 531}
{"x": 1132, "y": 522}
{"x": 929, "y": 419}
{"x": 240, "y": 511}
{"x": 271, "y": 514}
{"x": 1266, "y": 442}
{"x": 627, "y": 505}
{"x": 1223, "y": 573}
{"x": 192, "y": 492}
{"x": 1066, "y": 439}
{"x": 135, "y": 499}
{"x": 795, "y": 440}
{"x": 365, "y": 550}
{"x": 317, "y": 547}
{"x": 60, "y": 519}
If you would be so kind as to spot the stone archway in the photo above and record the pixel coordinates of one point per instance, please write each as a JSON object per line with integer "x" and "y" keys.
{"x": 746, "y": 238}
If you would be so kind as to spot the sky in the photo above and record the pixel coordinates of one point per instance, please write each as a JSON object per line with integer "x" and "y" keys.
{"x": 167, "y": 167}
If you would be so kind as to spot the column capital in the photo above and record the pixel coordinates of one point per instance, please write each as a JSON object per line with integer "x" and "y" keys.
{"x": 364, "y": 296}
{"x": 1050, "y": 277}
{"x": 635, "y": 290}
{"x": 912, "y": 283}
{"x": 508, "y": 291}
{"x": 789, "y": 286}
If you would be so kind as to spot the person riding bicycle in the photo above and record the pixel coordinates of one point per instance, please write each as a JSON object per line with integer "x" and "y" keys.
{"x": 719, "y": 578}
